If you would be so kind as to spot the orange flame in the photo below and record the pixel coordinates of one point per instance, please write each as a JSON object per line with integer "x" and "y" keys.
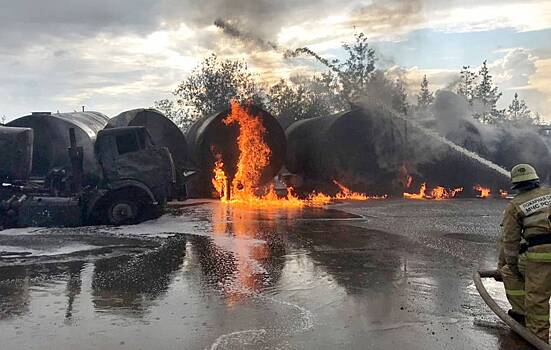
{"x": 437, "y": 193}
{"x": 254, "y": 156}
{"x": 346, "y": 193}
{"x": 484, "y": 191}
{"x": 219, "y": 181}
{"x": 409, "y": 181}
{"x": 319, "y": 199}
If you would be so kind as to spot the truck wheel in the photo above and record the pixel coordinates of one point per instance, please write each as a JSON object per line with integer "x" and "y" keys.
{"x": 122, "y": 212}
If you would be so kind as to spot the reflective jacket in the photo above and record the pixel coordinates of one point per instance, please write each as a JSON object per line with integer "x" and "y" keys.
{"x": 526, "y": 216}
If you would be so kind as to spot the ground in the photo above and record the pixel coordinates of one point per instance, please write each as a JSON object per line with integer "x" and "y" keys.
{"x": 381, "y": 274}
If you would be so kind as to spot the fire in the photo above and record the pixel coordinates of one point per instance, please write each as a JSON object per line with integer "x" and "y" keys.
{"x": 437, "y": 193}
{"x": 484, "y": 191}
{"x": 409, "y": 181}
{"x": 346, "y": 193}
{"x": 220, "y": 181}
{"x": 254, "y": 156}
{"x": 420, "y": 195}
{"x": 440, "y": 192}
{"x": 319, "y": 199}
{"x": 254, "y": 153}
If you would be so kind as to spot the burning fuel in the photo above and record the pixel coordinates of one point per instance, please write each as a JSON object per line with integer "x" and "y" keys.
{"x": 346, "y": 193}
{"x": 254, "y": 156}
{"x": 437, "y": 193}
{"x": 483, "y": 192}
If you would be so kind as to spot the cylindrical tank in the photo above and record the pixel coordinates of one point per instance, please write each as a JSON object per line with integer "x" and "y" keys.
{"x": 210, "y": 136}
{"x": 164, "y": 133}
{"x": 51, "y": 139}
{"x": 358, "y": 148}
{"x": 370, "y": 150}
{"x": 17, "y": 153}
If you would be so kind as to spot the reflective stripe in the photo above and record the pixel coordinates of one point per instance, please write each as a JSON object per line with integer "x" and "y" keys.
{"x": 538, "y": 256}
{"x": 538, "y": 317}
{"x": 515, "y": 292}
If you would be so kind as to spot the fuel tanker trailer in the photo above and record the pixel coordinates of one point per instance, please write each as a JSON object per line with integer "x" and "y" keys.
{"x": 211, "y": 139}
{"x": 164, "y": 133}
{"x": 51, "y": 139}
{"x": 374, "y": 150}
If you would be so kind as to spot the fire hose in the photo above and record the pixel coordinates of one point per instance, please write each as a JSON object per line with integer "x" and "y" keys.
{"x": 515, "y": 326}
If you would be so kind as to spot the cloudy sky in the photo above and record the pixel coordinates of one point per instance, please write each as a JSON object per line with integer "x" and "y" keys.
{"x": 113, "y": 55}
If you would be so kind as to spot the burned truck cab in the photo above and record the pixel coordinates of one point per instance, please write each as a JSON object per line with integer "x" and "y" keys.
{"x": 136, "y": 176}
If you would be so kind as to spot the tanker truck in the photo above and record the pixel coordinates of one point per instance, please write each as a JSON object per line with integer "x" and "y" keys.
{"x": 131, "y": 181}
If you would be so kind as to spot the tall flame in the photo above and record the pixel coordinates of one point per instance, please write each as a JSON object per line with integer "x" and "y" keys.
{"x": 254, "y": 157}
{"x": 254, "y": 153}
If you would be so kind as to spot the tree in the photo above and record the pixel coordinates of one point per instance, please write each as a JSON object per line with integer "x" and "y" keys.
{"x": 357, "y": 69}
{"x": 485, "y": 98}
{"x": 518, "y": 113}
{"x": 287, "y": 101}
{"x": 209, "y": 88}
{"x": 349, "y": 78}
{"x": 3, "y": 119}
{"x": 177, "y": 115}
{"x": 466, "y": 84}
{"x": 399, "y": 97}
{"x": 304, "y": 97}
{"x": 425, "y": 97}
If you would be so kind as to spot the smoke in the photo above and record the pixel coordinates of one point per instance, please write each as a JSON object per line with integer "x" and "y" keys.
{"x": 503, "y": 144}
{"x": 248, "y": 38}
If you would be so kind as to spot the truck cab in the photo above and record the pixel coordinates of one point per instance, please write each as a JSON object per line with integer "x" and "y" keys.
{"x": 136, "y": 176}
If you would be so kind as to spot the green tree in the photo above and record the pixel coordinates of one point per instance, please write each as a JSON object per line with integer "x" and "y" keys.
{"x": 209, "y": 88}
{"x": 466, "y": 84}
{"x": 485, "y": 98}
{"x": 177, "y": 115}
{"x": 357, "y": 69}
{"x": 399, "y": 97}
{"x": 304, "y": 97}
{"x": 425, "y": 97}
{"x": 349, "y": 78}
{"x": 518, "y": 113}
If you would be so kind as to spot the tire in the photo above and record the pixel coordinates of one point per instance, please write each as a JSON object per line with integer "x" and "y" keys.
{"x": 123, "y": 211}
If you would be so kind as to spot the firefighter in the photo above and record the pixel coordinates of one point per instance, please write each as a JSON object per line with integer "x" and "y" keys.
{"x": 525, "y": 253}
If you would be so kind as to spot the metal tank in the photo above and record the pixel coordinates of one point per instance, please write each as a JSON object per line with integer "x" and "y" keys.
{"x": 371, "y": 150}
{"x": 16, "y": 145}
{"x": 51, "y": 139}
{"x": 164, "y": 133}
{"x": 210, "y": 136}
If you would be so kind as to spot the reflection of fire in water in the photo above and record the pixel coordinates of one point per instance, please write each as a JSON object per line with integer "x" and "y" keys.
{"x": 484, "y": 192}
{"x": 437, "y": 193}
{"x": 247, "y": 236}
{"x": 345, "y": 193}
{"x": 235, "y": 232}
{"x": 254, "y": 157}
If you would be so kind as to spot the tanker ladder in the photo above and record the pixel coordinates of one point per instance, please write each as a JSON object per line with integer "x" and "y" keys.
{"x": 508, "y": 320}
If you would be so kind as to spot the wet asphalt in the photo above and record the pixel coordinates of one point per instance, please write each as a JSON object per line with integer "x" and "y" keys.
{"x": 386, "y": 274}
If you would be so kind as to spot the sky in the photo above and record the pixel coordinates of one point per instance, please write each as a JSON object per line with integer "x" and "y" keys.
{"x": 111, "y": 56}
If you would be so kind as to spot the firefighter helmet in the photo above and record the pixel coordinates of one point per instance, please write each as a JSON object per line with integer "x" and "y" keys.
{"x": 523, "y": 172}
